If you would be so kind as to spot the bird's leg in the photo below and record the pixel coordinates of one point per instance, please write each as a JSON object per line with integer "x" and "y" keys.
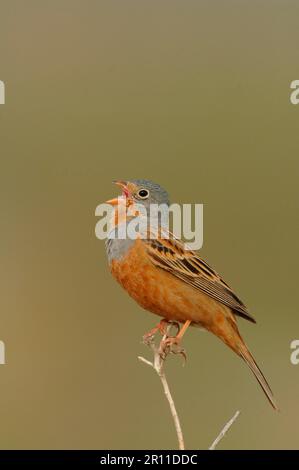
{"x": 161, "y": 328}
{"x": 183, "y": 330}
{"x": 178, "y": 338}
{"x": 172, "y": 343}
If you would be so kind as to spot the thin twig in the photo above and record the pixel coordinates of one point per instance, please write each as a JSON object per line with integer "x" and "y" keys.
{"x": 224, "y": 431}
{"x": 160, "y": 355}
{"x": 157, "y": 365}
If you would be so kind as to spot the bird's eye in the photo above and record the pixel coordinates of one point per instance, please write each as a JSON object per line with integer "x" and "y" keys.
{"x": 143, "y": 193}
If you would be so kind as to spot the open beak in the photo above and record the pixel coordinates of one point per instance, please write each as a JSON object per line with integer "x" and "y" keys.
{"x": 125, "y": 193}
{"x": 113, "y": 202}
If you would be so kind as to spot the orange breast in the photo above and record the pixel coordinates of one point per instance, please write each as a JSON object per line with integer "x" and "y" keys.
{"x": 162, "y": 293}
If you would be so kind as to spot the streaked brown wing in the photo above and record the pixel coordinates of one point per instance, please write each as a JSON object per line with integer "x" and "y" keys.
{"x": 170, "y": 254}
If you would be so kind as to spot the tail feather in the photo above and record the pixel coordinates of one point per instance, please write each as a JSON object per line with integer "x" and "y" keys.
{"x": 250, "y": 361}
{"x": 230, "y": 335}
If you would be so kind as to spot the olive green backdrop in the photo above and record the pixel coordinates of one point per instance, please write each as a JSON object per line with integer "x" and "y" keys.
{"x": 194, "y": 95}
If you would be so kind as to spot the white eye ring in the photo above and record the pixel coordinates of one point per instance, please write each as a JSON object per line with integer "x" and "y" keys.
{"x": 143, "y": 193}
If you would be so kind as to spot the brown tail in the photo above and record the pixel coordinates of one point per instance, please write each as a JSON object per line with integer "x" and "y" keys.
{"x": 250, "y": 361}
{"x": 231, "y": 336}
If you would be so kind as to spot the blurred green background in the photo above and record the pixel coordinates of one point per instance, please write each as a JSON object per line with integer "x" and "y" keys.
{"x": 194, "y": 95}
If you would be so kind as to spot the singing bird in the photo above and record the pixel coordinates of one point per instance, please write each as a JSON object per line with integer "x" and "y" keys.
{"x": 167, "y": 279}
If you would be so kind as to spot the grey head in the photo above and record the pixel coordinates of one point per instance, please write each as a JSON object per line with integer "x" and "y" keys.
{"x": 156, "y": 194}
{"x": 143, "y": 192}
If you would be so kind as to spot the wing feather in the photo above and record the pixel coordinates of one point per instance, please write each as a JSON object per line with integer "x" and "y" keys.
{"x": 169, "y": 254}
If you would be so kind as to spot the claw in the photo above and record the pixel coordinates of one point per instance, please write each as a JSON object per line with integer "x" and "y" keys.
{"x": 171, "y": 345}
{"x": 148, "y": 338}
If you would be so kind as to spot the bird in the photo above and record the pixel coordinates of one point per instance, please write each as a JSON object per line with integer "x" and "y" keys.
{"x": 171, "y": 281}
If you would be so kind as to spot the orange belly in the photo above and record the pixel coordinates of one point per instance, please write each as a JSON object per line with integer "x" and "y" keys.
{"x": 160, "y": 292}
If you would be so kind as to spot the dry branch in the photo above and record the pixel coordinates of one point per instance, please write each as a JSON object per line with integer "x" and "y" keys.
{"x": 224, "y": 431}
{"x": 160, "y": 355}
{"x": 158, "y": 366}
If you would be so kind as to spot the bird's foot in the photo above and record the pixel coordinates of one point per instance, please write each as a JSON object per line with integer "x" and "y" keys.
{"x": 162, "y": 328}
{"x": 171, "y": 345}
